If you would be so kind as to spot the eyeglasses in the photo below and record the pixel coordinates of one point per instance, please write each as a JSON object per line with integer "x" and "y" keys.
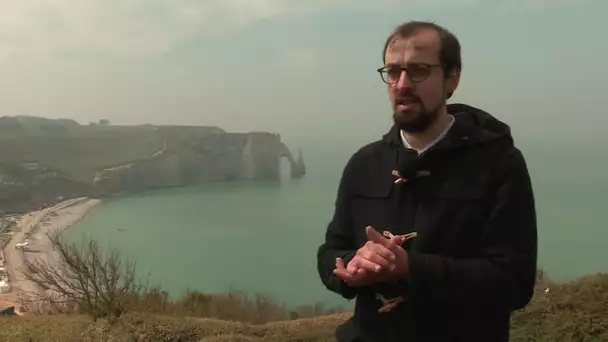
{"x": 416, "y": 72}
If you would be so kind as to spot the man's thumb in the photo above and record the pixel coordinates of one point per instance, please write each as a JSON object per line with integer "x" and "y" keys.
{"x": 374, "y": 236}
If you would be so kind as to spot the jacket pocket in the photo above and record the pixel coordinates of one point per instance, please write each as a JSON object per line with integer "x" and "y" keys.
{"x": 453, "y": 216}
{"x": 373, "y": 189}
{"x": 372, "y": 205}
{"x": 462, "y": 190}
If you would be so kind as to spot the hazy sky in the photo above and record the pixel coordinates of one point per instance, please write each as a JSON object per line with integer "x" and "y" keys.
{"x": 303, "y": 68}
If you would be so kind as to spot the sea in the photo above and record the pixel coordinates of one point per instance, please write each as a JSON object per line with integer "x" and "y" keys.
{"x": 262, "y": 237}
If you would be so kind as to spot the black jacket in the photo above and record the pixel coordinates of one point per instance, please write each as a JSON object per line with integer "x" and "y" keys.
{"x": 470, "y": 200}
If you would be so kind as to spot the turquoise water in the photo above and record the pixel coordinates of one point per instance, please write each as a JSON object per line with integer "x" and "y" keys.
{"x": 262, "y": 237}
{"x": 254, "y": 236}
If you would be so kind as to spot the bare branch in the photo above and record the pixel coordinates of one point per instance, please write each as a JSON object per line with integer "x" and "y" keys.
{"x": 87, "y": 279}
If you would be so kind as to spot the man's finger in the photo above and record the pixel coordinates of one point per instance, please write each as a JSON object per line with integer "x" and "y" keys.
{"x": 355, "y": 270}
{"x": 397, "y": 240}
{"x": 370, "y": 253}
{"x": 383, "y": 252}
{"x": 350, "y": 279}
{"x": 351, "y": 269}
{"x": 340, "y": 270}
{"x": 374, "y": 236}
{"x": 370, "y": 266}
{"x": 339, "y": 263}
{"x": 343, "y": 274}
{"x": 352, "y": 266}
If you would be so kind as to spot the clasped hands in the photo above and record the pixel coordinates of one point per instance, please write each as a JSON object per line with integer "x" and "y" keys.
{"x": 380, "y": 259}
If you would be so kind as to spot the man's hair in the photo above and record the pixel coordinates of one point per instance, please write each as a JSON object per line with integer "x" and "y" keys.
{"x": 449, "y": 52}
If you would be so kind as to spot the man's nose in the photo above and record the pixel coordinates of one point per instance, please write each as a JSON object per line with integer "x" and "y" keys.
{"x": 404, "y": 81}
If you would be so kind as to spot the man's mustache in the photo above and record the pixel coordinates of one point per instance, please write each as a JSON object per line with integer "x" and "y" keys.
{"x": 407, "y": 98}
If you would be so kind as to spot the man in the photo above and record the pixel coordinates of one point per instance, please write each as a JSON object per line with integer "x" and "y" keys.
{"x": 434, "y": 229}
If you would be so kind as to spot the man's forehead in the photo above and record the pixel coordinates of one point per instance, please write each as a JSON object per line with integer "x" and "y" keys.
{"x": 425, "y": 44}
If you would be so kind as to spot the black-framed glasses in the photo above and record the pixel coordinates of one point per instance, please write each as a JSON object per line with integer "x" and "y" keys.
{"x": 416, "y": 72}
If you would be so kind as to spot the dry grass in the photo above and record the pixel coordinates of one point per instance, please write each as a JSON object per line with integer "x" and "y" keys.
{"x": 235, "y": 306}
{"x": 146, "y": 327}
{"x": 572, "y": 311}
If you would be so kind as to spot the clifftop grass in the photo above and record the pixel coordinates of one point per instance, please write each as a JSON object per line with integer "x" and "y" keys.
{"x": 78, "y": 151}
{"x": 570, "y": 311}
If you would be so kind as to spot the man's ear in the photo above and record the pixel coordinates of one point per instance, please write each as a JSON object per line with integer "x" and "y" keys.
{"x": 451, "y": 81}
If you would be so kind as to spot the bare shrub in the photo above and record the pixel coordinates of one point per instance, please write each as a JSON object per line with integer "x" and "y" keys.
{"x": 101, "y": 283}
{"x": 97, "y": 283}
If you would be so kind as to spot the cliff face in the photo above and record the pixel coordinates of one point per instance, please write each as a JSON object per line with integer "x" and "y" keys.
{"x": 40, "y": 165}
{"x": 36, "y": 188}
{"x": 217, "y": 157}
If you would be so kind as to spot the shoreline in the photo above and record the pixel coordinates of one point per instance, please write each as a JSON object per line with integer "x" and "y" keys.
{"x": 31, "y": 229}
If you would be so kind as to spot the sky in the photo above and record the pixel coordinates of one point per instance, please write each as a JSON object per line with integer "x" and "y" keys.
{"x": 305, "y": 69}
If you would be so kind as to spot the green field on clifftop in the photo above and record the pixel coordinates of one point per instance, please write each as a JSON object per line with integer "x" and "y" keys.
{"x": 79, "y": 151}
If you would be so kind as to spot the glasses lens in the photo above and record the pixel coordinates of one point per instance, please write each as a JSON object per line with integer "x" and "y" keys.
{"x": 390, "y": 74}
{"x": 415, "y": 72}
{"x": 418, "y": 72}
{"x": 393, "y": 74}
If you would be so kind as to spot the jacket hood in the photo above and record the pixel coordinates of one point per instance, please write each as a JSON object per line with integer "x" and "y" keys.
{"x": 472, "y": 126}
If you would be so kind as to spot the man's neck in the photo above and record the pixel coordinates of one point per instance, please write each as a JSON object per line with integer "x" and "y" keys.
{"x": 420, "y": 141}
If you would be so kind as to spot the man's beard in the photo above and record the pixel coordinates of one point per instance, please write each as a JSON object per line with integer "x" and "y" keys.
{"x": 420, "y": 121}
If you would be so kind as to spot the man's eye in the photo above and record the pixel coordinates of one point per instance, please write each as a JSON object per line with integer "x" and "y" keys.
{"x": 417, "y": 70}
{"x": 393, "y": 71}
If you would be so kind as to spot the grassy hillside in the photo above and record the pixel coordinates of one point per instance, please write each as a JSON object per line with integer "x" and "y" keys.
{"x": 572, "y": 311}
{"x": 78, "y": 151}
{"x": 43, "y": 161}
{"x": 137, "y": 327}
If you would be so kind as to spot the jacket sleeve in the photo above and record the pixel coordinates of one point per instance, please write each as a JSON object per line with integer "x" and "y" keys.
{"x": 339, "y": 240}
{"x": 505, "y": 273}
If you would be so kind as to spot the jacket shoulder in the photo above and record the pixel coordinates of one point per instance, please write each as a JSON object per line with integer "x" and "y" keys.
{"x": 509, "y": 157}
{"x": 368, "y": 153}
{"x": 508, "y": 165}
{"x": 369, "y": 170}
